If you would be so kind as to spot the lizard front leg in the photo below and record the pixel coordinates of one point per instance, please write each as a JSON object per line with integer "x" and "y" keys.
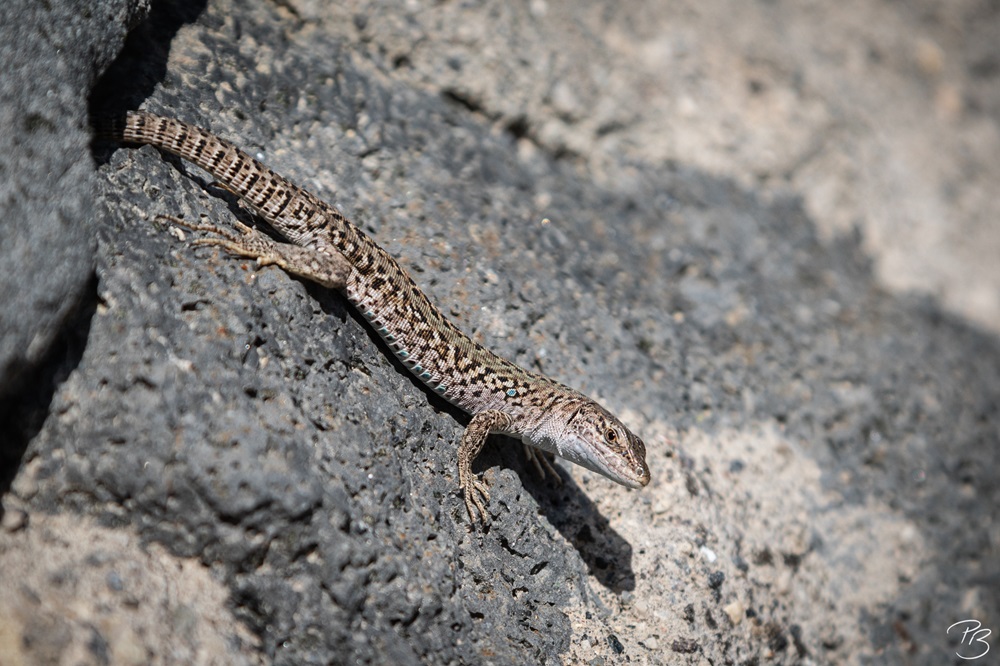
{"x": 542, "y": 462}
{"x": 475, "y": 490}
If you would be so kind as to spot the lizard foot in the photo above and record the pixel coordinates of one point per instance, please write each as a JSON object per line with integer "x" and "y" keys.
{"x": 542, "y": 462}
{"x": 329, "y": 270}
{"x": 477, "y": 496}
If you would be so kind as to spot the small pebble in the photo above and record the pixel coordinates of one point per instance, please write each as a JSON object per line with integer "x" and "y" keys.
{"x": 13, "y": 520}
{"x": 114, "y": 581}
{"x": 735, "y": 611}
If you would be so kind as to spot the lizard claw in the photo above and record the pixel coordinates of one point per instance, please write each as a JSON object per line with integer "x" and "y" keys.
{"x": 245, "y": 242}
{"x": 477, "y": 496}
{"x": 542, "y": 462}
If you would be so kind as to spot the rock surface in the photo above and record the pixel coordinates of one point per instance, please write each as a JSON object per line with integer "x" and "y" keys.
{"x": 52, "y": 54}
{"x": 824, "y": 449}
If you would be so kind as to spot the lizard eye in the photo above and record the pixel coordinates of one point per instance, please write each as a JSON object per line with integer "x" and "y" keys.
{"x": 610, "y": 436}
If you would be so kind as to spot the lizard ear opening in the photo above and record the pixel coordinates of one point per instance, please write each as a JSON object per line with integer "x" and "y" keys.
{"x": 576, "y": 412}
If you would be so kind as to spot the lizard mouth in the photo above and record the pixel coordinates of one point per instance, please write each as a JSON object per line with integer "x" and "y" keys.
{"x": 628, "y": 473}
{"x": 638, "y": 478}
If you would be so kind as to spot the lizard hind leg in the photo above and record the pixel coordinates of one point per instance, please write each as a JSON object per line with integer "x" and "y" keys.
{"x": 329, "y": 269}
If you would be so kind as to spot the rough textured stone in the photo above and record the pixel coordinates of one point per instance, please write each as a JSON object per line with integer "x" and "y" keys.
{"x": 820, "y": 446}
{"x": 52, "y": 53}
{"x": 78, "y": 593}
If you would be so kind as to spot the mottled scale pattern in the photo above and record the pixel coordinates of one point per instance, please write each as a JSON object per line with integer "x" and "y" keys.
{"x": 467, "y": 374}
{"x": 506, "y": 397}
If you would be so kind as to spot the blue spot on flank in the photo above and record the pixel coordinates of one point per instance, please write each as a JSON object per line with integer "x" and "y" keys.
{"x": 512, "y": 392}
{"x": 403, "y": 353}
{"x": 441, "y": 389}
{"x": 390, "y": 337}
{"x": 425, "y": 375}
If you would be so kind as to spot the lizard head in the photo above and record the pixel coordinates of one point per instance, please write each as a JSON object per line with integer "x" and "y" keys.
{"x": 595, "y": 439}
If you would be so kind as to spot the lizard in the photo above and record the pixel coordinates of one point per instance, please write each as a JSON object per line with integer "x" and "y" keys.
{"x": 324, "y": 247}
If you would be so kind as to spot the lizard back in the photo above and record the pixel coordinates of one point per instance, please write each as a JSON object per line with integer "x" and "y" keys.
{"x": 439, "y": 354}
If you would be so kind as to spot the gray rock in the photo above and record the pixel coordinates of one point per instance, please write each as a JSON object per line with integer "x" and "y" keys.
{"x": 252, "y": 422}
{"x": 52, "y": 54}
